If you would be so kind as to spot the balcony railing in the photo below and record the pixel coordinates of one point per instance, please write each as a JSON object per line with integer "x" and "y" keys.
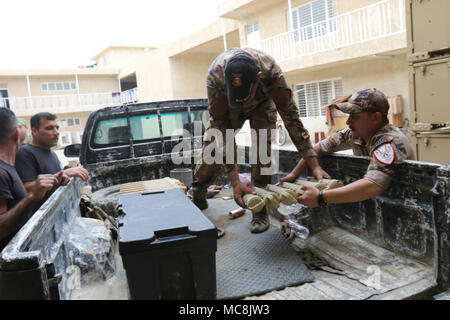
{"x": 379, "y": 20}
{"x": 68, "y": 102}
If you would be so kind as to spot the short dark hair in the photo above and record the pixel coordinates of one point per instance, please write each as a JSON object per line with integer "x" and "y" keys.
{"x": 35, "y": 121}
{"x": 8, "y": 122}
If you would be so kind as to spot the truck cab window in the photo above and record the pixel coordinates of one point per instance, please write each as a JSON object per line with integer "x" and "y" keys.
{"x": 145, "y": 127}
{"x": 174, "y": 123}
{"x": 111, "y": 132}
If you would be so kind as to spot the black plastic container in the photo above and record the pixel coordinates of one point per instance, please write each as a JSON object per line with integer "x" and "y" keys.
{"x": 168, "y": 247}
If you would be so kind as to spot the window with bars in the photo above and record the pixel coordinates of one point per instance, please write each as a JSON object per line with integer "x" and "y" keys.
{"x": 253, "y": 35}
{"x": 69, "y": 122}
{"x": 312, "y": 97}
{"x": 251, "y": 28}
{"x": 313, "y": 19}
{"x": 58, "y": 86}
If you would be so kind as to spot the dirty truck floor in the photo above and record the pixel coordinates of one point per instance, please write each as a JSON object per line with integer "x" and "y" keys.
{"x": 351, "y": 268}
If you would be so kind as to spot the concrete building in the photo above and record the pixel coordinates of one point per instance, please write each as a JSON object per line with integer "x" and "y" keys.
{"x": 326, "y": 48}
{"x": 329, "y": 48}
{"x": 70, "y": 94}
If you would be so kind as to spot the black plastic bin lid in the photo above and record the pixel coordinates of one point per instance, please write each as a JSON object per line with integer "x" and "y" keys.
{"x": 154, "y": 219}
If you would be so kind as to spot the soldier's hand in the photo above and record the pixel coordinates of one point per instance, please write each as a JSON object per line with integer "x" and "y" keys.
{"x": 289, "y": 178}
{"x": 43, "y": 183}
{"x": 320, "y": 174}
{"x": 239, "y": 190}
{"x": 309, "y": 197}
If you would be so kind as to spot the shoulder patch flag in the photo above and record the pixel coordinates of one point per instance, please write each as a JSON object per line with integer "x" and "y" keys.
{"x": 385, "y": 153}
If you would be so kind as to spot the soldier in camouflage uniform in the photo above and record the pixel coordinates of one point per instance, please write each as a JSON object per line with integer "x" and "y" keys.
{"x": 248, "y": 84}
{"x": 369, "y": 134}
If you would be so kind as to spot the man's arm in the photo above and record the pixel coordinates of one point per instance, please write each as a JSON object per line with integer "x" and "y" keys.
{"x": 10, "y": 219}
{"x": 78, "y": 171}
{"x": 359, "y": 190}
{"x": 303, "y": 163}
{"x": 288, "y": 111}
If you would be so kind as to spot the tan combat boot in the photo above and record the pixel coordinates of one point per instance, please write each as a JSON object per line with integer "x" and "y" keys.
{"x": 260, "y": 221}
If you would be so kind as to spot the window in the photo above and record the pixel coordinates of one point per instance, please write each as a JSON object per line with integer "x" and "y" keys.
{"x": 69, "y": 122}
{"x": 314, "y": 96}
{"x": 58, "y": 86}
{"x": 313, "y": 19}
{"x": 65, "y": 138}
{"x": 174, "y": 123}
{"x": 253, "y": 35}
{"x": 145, "y": 127}
{"x": 251, "y": 28}
{"x": 111, "y": 131}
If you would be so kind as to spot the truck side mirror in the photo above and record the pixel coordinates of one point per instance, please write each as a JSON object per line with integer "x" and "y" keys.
{"x": 72, "y": 150}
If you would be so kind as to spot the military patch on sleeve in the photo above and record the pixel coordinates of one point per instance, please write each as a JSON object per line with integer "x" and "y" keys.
{"x": 382, "y": 140}
{"x": 385, "y": 153}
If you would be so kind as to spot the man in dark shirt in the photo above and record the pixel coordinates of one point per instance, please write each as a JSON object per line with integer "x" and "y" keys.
{"x": 15, "y": 203}
{"x": 38, "y": 158}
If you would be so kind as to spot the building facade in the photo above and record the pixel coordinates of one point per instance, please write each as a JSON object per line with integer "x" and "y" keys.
{"x": 326, "y": 49}
{"x": 70, "y": 94}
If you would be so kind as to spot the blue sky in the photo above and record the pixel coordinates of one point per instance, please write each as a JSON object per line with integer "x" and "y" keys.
{"x": 65, "y": 34}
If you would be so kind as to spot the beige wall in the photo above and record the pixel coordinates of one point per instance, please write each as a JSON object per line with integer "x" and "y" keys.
{"x": 18, "y": 87}
{"x": 153, "y": 76}
{"x": 119, "y": 57}
{"x": 98, "y": 84}
{"x": 189, "y": 74}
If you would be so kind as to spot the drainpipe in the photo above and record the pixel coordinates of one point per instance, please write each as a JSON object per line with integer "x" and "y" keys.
{"x": 120, "y": 89}
{"x": 29, "y": 92}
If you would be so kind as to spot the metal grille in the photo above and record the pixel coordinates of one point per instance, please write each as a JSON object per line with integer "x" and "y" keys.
{"x": 314, "y": 96}
{"x": 311, "y": 20}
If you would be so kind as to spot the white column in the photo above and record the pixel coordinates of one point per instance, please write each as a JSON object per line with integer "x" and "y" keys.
{"x": 29, "y": 92}
{"x": 224, "y": 35}
{"x": 78, "y": 89}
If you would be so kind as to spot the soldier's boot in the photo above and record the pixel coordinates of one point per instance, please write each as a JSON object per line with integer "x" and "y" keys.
{"x": 198, "y": 192}
{"x": 260, "y": 221}
{"x": 202, "y": 204}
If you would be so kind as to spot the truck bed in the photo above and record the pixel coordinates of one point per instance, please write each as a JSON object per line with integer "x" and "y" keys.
{"x": 345, "y": 266}
{"x": 348, "y": 272}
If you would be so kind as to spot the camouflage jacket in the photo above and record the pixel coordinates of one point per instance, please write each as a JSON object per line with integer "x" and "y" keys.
{"x": 263, "y": 102}
{"x": 388, "y": 148}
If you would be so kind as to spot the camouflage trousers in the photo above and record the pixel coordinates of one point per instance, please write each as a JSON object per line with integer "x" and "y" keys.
{"x": 205, "y": 174}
